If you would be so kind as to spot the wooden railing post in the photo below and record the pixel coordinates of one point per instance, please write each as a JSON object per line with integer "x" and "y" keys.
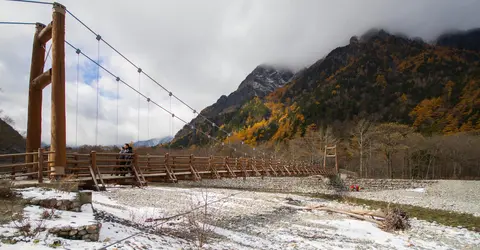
{"x": 75, "y": 156}
{"x": 135, "y": 160}
{"x": 93, "y": 160}
{"x": 13, "y": 168}
{"x": 148, "y": 163}
{"x": 40, "y": 165}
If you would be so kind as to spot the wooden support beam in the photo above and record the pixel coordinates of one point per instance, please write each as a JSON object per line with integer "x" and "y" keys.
{"x": 58, "y": 127}
{"x": 34, "y": 117}
{"x": 43, "y": 80}
{"x": 46, "y": 34}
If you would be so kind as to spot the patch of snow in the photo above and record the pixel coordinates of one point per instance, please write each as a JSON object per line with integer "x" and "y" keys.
{"x": 42, "y": 193}
{"x": 419, "y": 190}
{"x": 33, "y": 215}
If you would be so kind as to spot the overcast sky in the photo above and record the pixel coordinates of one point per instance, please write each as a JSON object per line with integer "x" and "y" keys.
{"x": 197, "y": 49}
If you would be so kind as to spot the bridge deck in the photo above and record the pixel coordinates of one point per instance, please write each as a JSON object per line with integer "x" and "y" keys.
{"x": 110, "y": 167}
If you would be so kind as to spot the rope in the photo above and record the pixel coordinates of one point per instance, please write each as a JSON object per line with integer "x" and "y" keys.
{"x": 141, "y": 94}
{"x": 98, "y": 85}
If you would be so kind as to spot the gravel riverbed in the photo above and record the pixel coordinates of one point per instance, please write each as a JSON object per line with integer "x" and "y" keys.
{"x": 258, "y": 220}
{"x": 452, "y": 195}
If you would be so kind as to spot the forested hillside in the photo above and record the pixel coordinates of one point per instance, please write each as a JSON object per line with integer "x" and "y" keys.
{"x": 410, "y": 96}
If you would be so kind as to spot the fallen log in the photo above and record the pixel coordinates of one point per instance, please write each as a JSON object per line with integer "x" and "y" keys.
{"x": 393, "y": 219}
{"x": 356, "y": 216}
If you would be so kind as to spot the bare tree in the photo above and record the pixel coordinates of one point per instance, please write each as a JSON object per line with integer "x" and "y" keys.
{"x": 361, "y": 136}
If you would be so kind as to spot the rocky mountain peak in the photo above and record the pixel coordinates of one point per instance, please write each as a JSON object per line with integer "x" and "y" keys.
{"x": 265, "y": 79}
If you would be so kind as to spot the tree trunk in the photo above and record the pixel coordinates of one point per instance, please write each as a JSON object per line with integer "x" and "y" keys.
{"x": 361, "y": 155}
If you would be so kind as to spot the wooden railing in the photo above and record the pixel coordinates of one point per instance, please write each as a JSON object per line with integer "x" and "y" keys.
{"x": 15, "y": 166}
{"x": 101, "y": 166}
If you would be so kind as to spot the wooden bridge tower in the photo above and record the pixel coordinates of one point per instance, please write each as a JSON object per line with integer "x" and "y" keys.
{"x": 39, "y": 79}
{"x": 330, "y": 152}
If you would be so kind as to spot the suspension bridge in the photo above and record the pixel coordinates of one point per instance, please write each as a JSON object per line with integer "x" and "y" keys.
{"x": 96, "y": 169}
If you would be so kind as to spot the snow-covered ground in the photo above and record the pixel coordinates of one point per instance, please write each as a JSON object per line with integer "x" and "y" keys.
{"x": 239, "y": 220}
{"x": 256, "y": 220}
{"x": 44, "y": 193}
{"x": 452, "y": 195}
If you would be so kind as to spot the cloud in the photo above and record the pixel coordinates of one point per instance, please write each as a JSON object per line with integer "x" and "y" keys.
{"x": 199, "y": 50}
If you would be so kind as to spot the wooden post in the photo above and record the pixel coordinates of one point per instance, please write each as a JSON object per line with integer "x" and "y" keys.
{"x": 93, "y": 167}
{"x": 263, "y": 167}
{"x": 58, "y": 139}
{"x": 168, "y": 173}
{"x": 34, "y": 120}
{"x": 336, "y": 159}
{"x": 93, "y": 160}
{"x": 148, "y": 163}
{"x": 75, "y": 156}
{"x": 40, "y": 165}
{"x": 12, "y": 177}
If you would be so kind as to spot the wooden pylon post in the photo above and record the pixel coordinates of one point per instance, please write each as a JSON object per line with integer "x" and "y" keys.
{"x": 58, "y": 136}
{"x": 34, "y": 121}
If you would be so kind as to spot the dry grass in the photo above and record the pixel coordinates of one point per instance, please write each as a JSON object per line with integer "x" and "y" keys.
{"x": 395, "y": 219}
{"x": 66, "y": 184}
{"x": 200, "y": 222}
{"x": 6, "y": 189}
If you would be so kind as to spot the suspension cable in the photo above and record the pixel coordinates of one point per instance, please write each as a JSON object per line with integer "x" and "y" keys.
{"x": 98, "y": 87}
{"x": 76, "y": 105}
{"x": 170, "y": 125}
{"x": 148, "y": 76}
{"x": 30, "y": 1}
{"x": 138, "y": 110}
{"x": 148, "y": 118}
{"x": 18, "y": 23}
{"x": 144, "y": 96}
{"x": 118, "y": 97}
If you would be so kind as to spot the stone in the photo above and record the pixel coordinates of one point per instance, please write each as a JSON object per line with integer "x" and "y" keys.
{"x": 63, "y": 233}
{"x": 91, "y": 229}
{"x": 94, "y": 237}
{"x": 82, "y": 232}
{"x": 85, "y": 237}
{"x": 73, "y": 232}
{"x": 85, "y": 197}
{"x": 76, "y": 204}
{"x": 59, "y": 203}
{"x": 35, "y": 201}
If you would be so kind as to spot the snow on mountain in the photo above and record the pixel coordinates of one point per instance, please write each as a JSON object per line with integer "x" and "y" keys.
{"x": 152, "y": 142}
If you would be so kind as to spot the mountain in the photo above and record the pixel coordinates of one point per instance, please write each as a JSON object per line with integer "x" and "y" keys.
{"x": 263, "y": 80}
{"x": 152, "y": 142}
{"x": 378, "y": 76}
{"x": 468, "y": 40}
{"x": 10, "y": 140}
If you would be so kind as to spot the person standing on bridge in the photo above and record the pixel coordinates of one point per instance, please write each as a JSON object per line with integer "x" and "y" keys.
{"x": 123, "y": 157}
{"x": 127, "y": 156}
